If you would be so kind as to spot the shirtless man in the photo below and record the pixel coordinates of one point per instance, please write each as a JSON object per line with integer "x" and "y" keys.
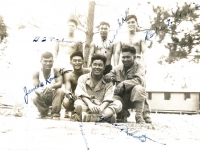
{"x": 133, "y": 39}
{"x": 71, "y": 78}
{"x": 69, "y": 45}
{"x": 101, "y": 45}
{"x": 47, "y": 82}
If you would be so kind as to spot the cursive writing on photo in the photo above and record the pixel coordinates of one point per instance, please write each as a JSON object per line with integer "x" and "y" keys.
{"x": 180, "y": 17}
{"x": 47, "y": 81}
{"x": 142, "y": 138}
{"x": 51, "y": 39}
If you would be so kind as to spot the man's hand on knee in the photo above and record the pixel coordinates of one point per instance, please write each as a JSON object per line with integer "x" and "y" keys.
{"x": 94, "y": 108}
{"x": 119, "y": 89}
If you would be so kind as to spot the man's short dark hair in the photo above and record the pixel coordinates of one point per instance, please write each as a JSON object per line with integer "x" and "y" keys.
{"x": 104, "y": 23}
{"x": 131, "y": 16}
{"x": 129, "y": 49}
{"x": 99, "y": 57}
{"x": 73, "y": 20}
{"x": 80, "y": 54}
{"x": 46, "y": 55}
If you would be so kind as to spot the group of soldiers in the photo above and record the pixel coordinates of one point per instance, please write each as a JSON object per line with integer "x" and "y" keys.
{"x": 105, "y": 90}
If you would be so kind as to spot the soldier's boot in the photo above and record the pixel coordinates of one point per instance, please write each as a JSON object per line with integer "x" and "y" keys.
{"x": 139, "y": 107}
{"x": 122, "y": 116}
{"x": 146, "y": 117}
{"x": 146, "y": 113}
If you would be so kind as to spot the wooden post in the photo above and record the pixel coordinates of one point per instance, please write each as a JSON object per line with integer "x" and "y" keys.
{"x": 90, "y": 25}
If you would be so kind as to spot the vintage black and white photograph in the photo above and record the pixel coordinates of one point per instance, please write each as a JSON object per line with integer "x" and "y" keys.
{"x": 99, "y": 75}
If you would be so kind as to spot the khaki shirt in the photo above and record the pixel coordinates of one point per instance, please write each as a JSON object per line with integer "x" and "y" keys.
{"x": 133, "y": 76}
{"x": 102, "y": 91}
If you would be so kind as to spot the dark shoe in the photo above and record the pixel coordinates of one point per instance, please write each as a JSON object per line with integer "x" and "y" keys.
{"x": 55, "y": 117}
{"x": 146, "y": 117}
{"x": 139, "y": 120}
{"x": 148, "y": 120}
{"x": 43, "y": 117}
{"x": 77, "y": 116}
{"x": 122, "y": 119}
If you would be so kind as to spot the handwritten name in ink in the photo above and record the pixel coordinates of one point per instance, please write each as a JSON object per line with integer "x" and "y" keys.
{"x": 120, "y": 25}
{"x": 142, "y": 138}
{"x": 116, "y": 32}
{"x": 180, "y": 17}
{"x": 53, "y": 39}
{"x": 48, "y": 81}
{"x": 81, "y": 129}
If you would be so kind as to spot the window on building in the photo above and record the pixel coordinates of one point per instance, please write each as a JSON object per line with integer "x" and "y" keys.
{"x": 149, "y": 96}
{"x": 187, "y": 96}
{"x": 167, "y": 96}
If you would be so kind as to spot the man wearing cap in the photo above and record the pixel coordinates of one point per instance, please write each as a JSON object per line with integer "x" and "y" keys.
{"x": 134, "y": 39}
{"x": 66, "y": 47}
{"x": 101, "y": 45}
{"x": 130, "y": 87}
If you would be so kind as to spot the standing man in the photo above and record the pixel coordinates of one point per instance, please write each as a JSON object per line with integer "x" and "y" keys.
{"x": 70, "y": 45}
{"x": 133, "y": 39}
{"x": 130, "y": 87}
{"x": 48, "y": 81}
{"x": 101, "y": 45}
{"x": 71, "y": 78}
{"x": 95, "y": 95}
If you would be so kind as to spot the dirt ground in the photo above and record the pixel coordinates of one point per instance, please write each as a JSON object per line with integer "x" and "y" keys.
{"x": 168, "y": 131}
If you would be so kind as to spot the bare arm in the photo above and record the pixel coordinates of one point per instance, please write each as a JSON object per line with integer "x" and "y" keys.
{"x": 117, "y": 53}
{"x": 91, "y": 53}
{"x": 36, "y": 82}
{"x": 68, "y": 88}
{"x": 143, "y": 50}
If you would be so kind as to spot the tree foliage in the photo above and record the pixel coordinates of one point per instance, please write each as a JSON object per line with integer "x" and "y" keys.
{"x": 168, "y": 22}
{"x": 3, "y": 35}
{"x": 3, "y": 30}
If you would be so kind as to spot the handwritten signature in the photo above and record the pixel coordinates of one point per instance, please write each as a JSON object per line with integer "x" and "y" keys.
{"x": 44, "y": 39}
{"x": 120, "y": 25}
{"x": 150, "y": 33}
{"x": 48, "y": 81}
{"x": 142, "y": 138}
{"x": 81, "y": 129}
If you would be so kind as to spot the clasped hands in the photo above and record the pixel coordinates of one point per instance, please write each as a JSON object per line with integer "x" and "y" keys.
{"x": 95, "y": 108}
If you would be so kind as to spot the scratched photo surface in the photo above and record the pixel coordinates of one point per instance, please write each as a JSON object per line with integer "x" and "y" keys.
{"x": 171, "y": 53}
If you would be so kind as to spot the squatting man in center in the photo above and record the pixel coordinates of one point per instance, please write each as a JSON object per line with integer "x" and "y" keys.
{"x": 95, "y": 95}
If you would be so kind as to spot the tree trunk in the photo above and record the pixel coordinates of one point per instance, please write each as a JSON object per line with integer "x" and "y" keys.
{"x": 89, "y": 33}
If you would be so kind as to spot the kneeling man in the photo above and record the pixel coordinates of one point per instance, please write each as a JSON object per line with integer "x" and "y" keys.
{"x": 130, "y": 87}
{"x": 95, "y": 95}
{"x": 48, "y": 81}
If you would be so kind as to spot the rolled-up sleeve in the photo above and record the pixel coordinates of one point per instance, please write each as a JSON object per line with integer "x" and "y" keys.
{"x": 81, "y": 88}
